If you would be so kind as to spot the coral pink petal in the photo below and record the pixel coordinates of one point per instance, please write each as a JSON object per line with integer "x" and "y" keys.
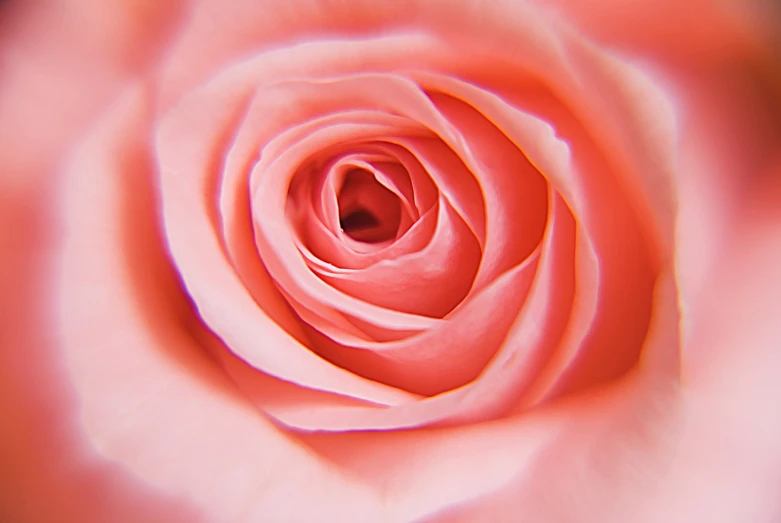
{"x": 132, "y": 353}
{"x": 396, "y": 95}
{"x": 361, "y": 189}
{"x": 451, "y": 177}
{"x": 278, "y": 251}
{"x": 563, "y": 61}
{"x": 717, "y": 33}
{"x": 635, "y": 421}
{"x": 513, "y": 190}
{"x": 678, "y": 433}
{"x": 187, "y": 141}
{"x": 632, "y": 119}
{"x": 730, "y": 362}
{"x": 536, "y": 330}
{"x": 269, "y": 115}
{"x": 731, "y": 117}
{"x": 533, "y": 464}
{"x": 326, "y": 249}
{"x": 278, "y": 398}
{"x": 389, "y": 174}
{"x": 424, "y": 191}
{"x": 317, "y": 237}
{"x": 612, "y": 232}
{"x": 448, "y": 356}
{"x": 542, "y": 151}
{"x": 420, "y": 38}
{"x": 430, "y": 282}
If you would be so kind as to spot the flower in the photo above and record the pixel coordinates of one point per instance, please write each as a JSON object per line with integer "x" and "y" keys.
{"x": 356, "y": 261}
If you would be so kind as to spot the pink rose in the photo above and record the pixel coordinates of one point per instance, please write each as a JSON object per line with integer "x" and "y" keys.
{"x": 390, "y": 261}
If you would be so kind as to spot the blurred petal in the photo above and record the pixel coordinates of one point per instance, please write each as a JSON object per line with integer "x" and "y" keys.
{"x": 151, "y": 399}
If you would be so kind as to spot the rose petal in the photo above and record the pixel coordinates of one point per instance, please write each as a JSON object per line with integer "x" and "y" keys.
{"x": 186, "y": 142}
{"x": 578, "y": 169}
{"x": 492, "y": 392}
{"x": 414, "y": 239}
{"x": 149, "y": 399}
{"x": 534, "y": 464}
{"x": 447, "y": 356}
{"x": 430, "y": 282}
{"x": 723, "y": 403}
{"x": 514, "y": 191}
{"x": 514, "y": 29}
{"x": 278, "y": 252}
{"x": 542, "y": 457}
{"x": 370, "y": 183}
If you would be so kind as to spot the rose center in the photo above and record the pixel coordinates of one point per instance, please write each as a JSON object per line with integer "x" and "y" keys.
{"x": 368, "y": 211}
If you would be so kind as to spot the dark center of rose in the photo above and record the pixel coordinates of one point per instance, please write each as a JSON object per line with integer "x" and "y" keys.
{"x": 368, "y": 211}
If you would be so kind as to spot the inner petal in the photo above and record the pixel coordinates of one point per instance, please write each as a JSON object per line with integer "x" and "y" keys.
{"x": 368, "y": 211}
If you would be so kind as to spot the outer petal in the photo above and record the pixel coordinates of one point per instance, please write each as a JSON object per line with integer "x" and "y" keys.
{"x": 707, "y": 452}
{"x": 56, "y": 60}
{"x": 68, "y": 59}
{"x": 151, "y": 399}
{"x": 49, "y": 471}
{"x": 601, "y": 455}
